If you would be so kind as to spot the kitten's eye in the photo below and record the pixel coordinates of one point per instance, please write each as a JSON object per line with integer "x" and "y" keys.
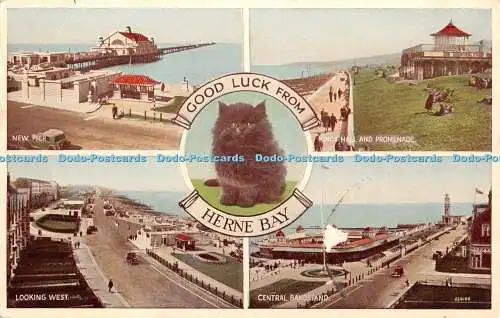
{"x": 234, "y": 125}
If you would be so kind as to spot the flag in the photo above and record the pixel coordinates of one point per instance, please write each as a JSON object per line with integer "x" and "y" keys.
{"x": 479, "y": 191}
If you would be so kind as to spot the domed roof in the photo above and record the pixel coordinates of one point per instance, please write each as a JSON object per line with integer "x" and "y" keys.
{"x": 280, "y": 233}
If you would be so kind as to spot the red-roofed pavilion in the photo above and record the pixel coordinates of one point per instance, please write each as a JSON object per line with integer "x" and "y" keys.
{"x": 449, "y": 37}
{"x": 448, "y": 55}
{"x": 133, "y": 86}
{"x": 184, "y": 242}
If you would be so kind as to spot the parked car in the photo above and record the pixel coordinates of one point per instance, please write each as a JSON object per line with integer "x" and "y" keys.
{"x": 132, "y": 258}
{"x": 52, "y": 139}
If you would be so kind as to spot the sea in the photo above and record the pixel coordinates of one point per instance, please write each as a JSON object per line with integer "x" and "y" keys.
{"x": 198, "y": 66}
{"x": 294, "y": 70}
{"x": 345, "y": 216}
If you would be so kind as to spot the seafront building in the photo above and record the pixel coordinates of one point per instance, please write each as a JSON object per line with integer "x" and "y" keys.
{"x": 361, "y": 243}
{"x": 17, "y": 225}
{"x": 29, "y": 59}
{"x": 480, "y": 237}
{"x": 126, "y": 43}
{"x": 41, "y": 192}
{"x": 450, "y": 54}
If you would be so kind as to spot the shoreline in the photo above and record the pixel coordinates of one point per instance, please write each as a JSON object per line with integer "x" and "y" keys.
{"x": 123, "y": 203}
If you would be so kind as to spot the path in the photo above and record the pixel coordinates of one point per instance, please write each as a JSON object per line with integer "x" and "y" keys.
{"x": 92, "y": 131}
{"x": 147, "y": 285}
{"x": 320, "y": 100}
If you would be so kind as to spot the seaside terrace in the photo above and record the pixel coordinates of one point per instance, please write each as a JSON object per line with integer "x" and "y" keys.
{"x": 448, "y": 55}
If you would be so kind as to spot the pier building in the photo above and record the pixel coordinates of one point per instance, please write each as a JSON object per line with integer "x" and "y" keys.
{"x": 126, "y": 43}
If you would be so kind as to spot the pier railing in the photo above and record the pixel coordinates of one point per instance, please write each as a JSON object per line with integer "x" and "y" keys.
{"x": 237, "y": 302}
{"x": 463, "y": 51}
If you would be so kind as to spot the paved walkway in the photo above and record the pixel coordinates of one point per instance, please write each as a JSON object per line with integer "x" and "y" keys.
{"x": 96, "y": 279}
{"x": 165, "y": 253}
{"x": 320, "y": 100}
{"x": 85, "y": 107}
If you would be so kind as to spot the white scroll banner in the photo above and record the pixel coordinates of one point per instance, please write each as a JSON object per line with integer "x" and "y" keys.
{"x": 239, "y": 82}
{"x": 246, "y": 226}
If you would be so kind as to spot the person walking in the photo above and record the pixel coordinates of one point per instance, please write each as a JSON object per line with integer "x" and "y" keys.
{"x": 333, "y": 122}
{"x": 114, "y": 111}
{"x": 110, "y": 285}
{"x": 330, "y": 93}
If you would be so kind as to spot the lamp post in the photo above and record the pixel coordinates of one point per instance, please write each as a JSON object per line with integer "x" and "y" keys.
{"x": 325, "y": 268}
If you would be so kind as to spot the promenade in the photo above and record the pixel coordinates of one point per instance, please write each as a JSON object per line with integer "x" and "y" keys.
{"x": 148, "y": 284}
{"x": 320, "y": 100}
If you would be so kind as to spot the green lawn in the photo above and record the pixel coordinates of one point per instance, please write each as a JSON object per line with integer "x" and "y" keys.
{"x": 173, "y": 106}
{"x": 282, "y": 287}
{"x": 212, "y": 194}
{"x": 230, "y": 273}
{"x": 384, "y": 108}
{"x": 57, "y": 226}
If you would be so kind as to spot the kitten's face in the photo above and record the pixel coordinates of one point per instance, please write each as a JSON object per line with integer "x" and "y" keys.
{"x": 239, "y": 121}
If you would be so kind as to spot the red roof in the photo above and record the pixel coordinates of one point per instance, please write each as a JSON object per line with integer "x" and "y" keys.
{"x": 137, "y": 37}
{"x": 183, "y": 237}
{"x": 299, "y": 228}
{"x": 133, "y": 80}
{"x": 451, "y": 30}
{"x": 344, "y": 245}
{"x": 280, "y": 233}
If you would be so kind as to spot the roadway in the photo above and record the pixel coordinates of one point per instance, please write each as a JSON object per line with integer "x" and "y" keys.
{"x": 380, "y": 289}
{"x": 91, "y": 132}
{"x": 149, "y": 284}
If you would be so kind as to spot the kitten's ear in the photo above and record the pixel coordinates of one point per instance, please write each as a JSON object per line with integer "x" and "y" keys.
{"x": 222, "y": 107}
{"x": 261, "y": 108}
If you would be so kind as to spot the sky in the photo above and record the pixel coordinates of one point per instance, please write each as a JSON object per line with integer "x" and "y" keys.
{"x": 404, "y": 183}
{"x": 62, "y": 25}
{"x": 281, "y": 36}
{"x": 368, "y": 183}
{"x": 150, "y": 176}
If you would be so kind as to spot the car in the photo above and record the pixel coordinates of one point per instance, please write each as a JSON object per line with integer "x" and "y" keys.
{"x": 91, "y": 229}
{"x": 52, "y": 139}
{"x": 132, "y": 258}
{"x": 398, "y": 271}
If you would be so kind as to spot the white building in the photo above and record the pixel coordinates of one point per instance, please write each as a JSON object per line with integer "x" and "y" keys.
{"x": 125, "y": 43}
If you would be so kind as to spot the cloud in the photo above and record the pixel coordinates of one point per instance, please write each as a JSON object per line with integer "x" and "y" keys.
{"x": 333, "y": 236}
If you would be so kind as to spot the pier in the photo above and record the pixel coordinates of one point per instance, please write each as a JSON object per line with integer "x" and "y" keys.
{"x": 85, "y": 61}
